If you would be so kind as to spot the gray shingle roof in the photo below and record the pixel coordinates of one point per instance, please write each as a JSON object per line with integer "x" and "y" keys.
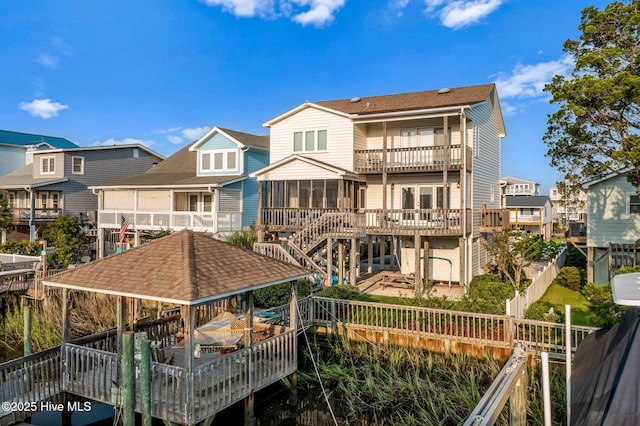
{"x": 186, "y": 268}
{"x": 526, "y": 200}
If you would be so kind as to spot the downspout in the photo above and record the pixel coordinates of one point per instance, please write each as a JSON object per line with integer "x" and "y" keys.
{"x": 32, "y": 213}
{"x": 99, "y": 232}
{"x": 213, "y": 189}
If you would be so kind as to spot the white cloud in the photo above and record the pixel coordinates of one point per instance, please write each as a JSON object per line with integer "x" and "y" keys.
{"x": 527, "y": 81}
{"x": 460, "y": 13}
{"x": 178, "y": 135}
{"x": 125, "y": 141}
{"x": 43, "y": 108}
{"x": 305, "y": 12}
{"x": 47, "y": 60}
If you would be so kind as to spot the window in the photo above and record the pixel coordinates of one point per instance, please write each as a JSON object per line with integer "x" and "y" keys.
{"x": 205, "y": 161}
{"x": 77, "y": 165}
{"x": 206, "y": 202}
{"x": 633, "y": 203}
{"x": 222, "y": 160}
{"x": 48, "y": 165}
{"x": 310, "y": 140}
{"x": 136, "y": 153}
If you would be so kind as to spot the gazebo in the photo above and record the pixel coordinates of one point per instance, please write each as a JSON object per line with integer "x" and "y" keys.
{"x": 193, "y": 379}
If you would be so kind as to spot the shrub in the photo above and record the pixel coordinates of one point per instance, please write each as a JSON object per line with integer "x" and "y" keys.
{"x": 627, "y": 270}
{"x": 541, "y": 311}
{"x": 575, "y": 258}
{"x": 278, "y": 295}
{"x": 604, "y": 311}
{"x": 569, "y": 276}
{"x": 340, "y": 291}
{"x": 490, "y": 287}
{"x": 242, "y": 239}
{"x": 548, "y": 249}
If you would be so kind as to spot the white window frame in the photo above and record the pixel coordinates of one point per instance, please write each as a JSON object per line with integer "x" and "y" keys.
{"x": 73, "y": 165}
{"x": 225, "y": 158}
{"x": 51, "y": 161}
{"x": 136, "y": 153}
{"x": 628, "y": 202}
{"x": 314, "y": 132}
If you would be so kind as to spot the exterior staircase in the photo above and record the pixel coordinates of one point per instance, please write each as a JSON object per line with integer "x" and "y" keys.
{"x": 305, "y": 248}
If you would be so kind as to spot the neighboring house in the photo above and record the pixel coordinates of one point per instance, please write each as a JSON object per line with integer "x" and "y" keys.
{"x": 530, "y": 213}
{"x": 568, "y": 203}
{"x": 57, "y": 182}
{"x": 203, "y": 187}
{"x": 17, "y": 149}
{"x": 613, "y": 227}
{"x": 515, "y": 186}
{"x": 411, "y": 169}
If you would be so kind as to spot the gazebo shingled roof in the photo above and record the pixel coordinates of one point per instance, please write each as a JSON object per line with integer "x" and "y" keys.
{"x": 186, "y": 268}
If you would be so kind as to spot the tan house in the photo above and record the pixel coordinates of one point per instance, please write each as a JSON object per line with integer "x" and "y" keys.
{"x": 407, "y": 170}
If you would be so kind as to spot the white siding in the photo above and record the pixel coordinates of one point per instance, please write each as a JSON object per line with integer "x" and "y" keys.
{"x": 297, "y": 169}
{"x": 340, "y": 135}
{"x": 607, "y": 217}
{"x": 394, "y": 197}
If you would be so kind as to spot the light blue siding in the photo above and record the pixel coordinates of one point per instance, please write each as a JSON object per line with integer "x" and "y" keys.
{"x": 218, "y": 142}
{"x": 11, "y": 158}
{"x": 253, "y": 161}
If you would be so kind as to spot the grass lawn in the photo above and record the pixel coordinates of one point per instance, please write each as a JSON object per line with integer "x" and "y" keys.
{"x": 559, "y": 296}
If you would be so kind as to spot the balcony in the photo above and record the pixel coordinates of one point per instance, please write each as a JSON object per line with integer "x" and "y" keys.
{"x": 494, "y": 220}
{"x": 156, "y": 221}
{"x": 444, "y": 222}
{"x": 413, "y": 159}
{"x": 21, "y": 215}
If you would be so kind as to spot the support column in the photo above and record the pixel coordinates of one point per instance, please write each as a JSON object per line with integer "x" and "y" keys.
{"x": 66, "y": 334}
{"x": 463, "y": 262}
{"x": 249, "y": 416}
{"x": 27, "y": 316}
{"x": 425, "y": 270}
{"x": 145, "y": 378}
{"x": 128, "y": 380}
{"x": 121, "y": 321}
{"x": 417, "y": 274}
{"x": 329, "y": 261}
{"x": 518, "y": 401}
{"x": 340, "y": 261}
{"x": 591, "y": 254}
{"x": 392, "y": 251}
{"x": 382, "y": 250}
{"x": 188, "y": 314}
{"x": 353, "y": 265}
{"x": 369, "y": 254}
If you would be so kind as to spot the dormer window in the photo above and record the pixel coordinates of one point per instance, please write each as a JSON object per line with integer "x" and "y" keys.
{"x": 219, "y": 161}
{"x": 48, "y": 165}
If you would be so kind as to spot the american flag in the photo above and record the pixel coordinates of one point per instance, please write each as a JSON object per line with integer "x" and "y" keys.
{"x": 124, "y": 224}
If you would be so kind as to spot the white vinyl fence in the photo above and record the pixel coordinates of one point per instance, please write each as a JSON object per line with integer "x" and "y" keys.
{"x": 539, "y": 285}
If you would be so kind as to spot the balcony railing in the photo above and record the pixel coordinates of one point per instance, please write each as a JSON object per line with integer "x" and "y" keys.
{"x": 155, "y": 221}
{"x": 41, "y": 215}
{"x": 377, "y": 221}
{"x": 413, "y": 159}
{"x": 526, "y": 218}
{"x": 494, "y": 220}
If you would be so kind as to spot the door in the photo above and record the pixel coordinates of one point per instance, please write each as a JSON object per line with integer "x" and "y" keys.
{"x": 425, "y": 201}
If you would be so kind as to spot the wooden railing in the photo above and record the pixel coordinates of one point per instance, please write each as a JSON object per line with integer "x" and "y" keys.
{"x": 413, "y": 159}
{"x": 290, "y": 219}
{"x": 337, "y": 225}
{"x": 211, "y": 222}
{"x": 494, "y": 220}
{"x": 485, "y": 329}
{"x": 43, "y": 215}
{"x": 410, "y": 221}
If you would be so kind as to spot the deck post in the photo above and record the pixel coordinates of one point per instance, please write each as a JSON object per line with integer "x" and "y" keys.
{"x": 370, "y": 254}
{"x": 128, "y": 380}
{"x": 383, "y": 241}
{"x": 417, "y": 269}
{"x": 145, "y": 376}
{"x": 249, "y": 413}
{"x": 353, "y": 261}
{"x": 249, "y": 416}
{"x": 121, "y": 315}
{"x": 329, "y": 261}
{"x": 27, "y": 314}
{"x": 425, "y": 270}
{"x": 518, "y": 401}
{"x": 188, "y": 315}
{"x": 293, "y": 312}
{"x": 340, "y": 261}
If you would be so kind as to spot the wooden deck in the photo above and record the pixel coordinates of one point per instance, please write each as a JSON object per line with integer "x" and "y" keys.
{"x": 218, "y": 381}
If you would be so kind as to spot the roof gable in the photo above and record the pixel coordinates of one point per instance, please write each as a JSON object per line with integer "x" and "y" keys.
{"x": 239, "y": 138}
{"x": 186, "y": 267}
{"x": 310, "y": 163}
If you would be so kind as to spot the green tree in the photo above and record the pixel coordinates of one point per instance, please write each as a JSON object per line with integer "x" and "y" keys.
{"x": 513, "y": 251}
{"x": 66, "y": 235}
{"x": 5, "y": 213}
{"x": 595, "y": 129}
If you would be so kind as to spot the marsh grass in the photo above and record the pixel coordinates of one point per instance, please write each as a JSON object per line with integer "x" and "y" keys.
{"x": 91, "y": 313}
{"x": 398, "y": 385}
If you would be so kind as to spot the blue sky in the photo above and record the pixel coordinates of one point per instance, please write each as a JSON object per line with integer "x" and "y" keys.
{"x": 161, "y": 72}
